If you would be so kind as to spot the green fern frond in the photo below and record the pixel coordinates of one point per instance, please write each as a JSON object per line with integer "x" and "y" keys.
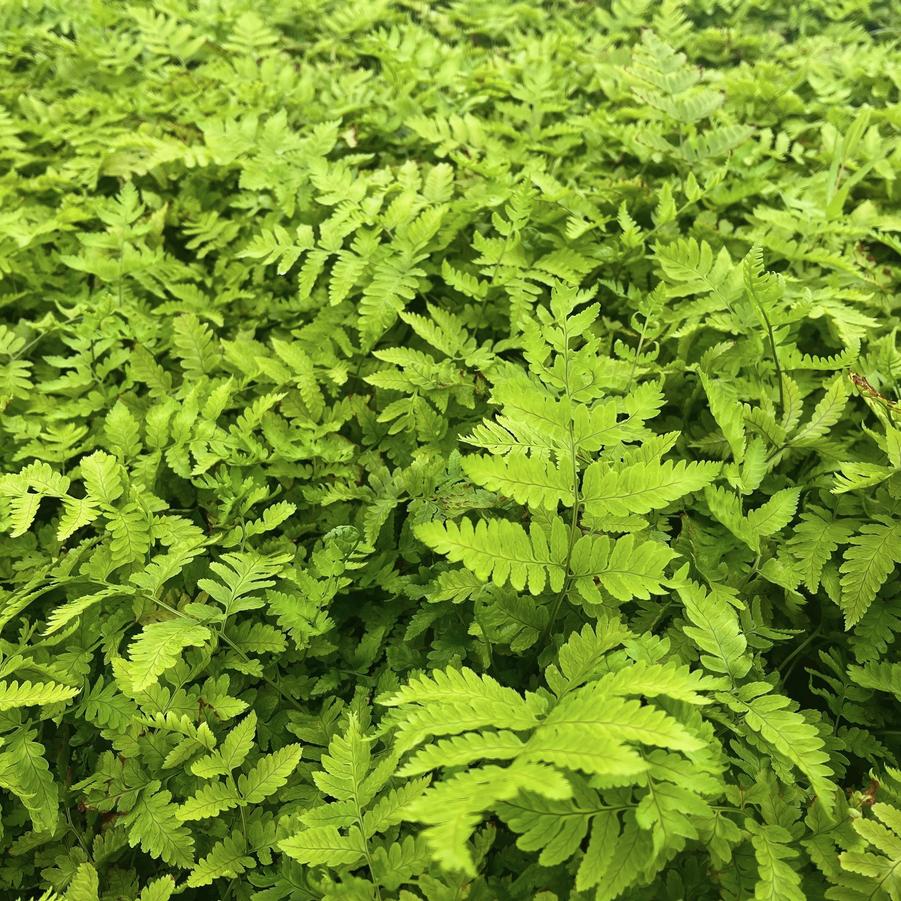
{"x": 868, "y": 562}
{"x": 641, "y": 487}
{"x": 26, "y": 694}
{"x": 502, "y": 551}
{"x": 158, "y": 648}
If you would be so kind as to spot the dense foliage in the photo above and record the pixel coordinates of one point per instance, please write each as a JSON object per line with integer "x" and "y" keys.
{"x": 450, "y": 450}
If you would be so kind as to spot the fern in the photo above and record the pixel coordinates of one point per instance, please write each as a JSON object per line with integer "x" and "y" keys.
{"x": 773, "y": 851}
{"x": 158, "y": 648}
{"x": 13, "y": 694}
{"x": 814, "y": 541}
{"x": 873, "y": 867}
{"x": 153, "y": 824}
{"x": 531, "y": 558}
{"x": 715, "y": 630}
{"x": 868, "y": 562}
{"x": 227, "y": 860}
{"x": 269, "y": 774}
{"x": 25, "y": 773}
{"x": 791, "y": 735}
{"x": 446, "y": 457}
{"x": 363, "y": 807}
{"x": 641, "y": 487}
{"x": 209, "y": 801}
{"x": 452, "y": 809}
{"x": 528, "y": 480}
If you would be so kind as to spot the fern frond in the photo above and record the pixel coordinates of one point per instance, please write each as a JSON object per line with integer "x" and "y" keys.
{"x": 269, "y": 774}
{"x": 625, "y": 569}
{"x": 670, "y": 680}
{"x": 228, "y": 858}
{"x": 129, "y": 534}
{"x": 25, "y": 773}
{"x": 325, "y": 846}
{"x": 102, "y": 477}
{"x": 346, "y": 765}
{"x": 868, "y": 562}
{"x": 463, "y": 749}
{"x": 153, "y": 825}
{"x": 815, "y": 539}
{"x": 85, "y": 884}
{"x": 825, "y": 414}
{"x": 592, "y": 717}
{"x": 531, "y": 481}
{"x": 242, "y": 575}
{"x": 231, "y": 753}
{"x": 796, "y": 739}
{"x": 453, "y": 684}
{"x": 26, "y": 694}
{"x": 727, "y": 412}
{"x": 452, "y": 809}
{"x": 884, "y": 677}
{"x": 582, "y": 657}
{"x": 715, "y": 630}
{"x": 208, "y": 801}
{"x": 502, "y": 551}
{"x": 617, "y": 420}
{"x": 158, "y": 649}
{"x": 390, "y": 808}
{"x": 555, "y": 827}
{"x": 453, "y": 701}
{"x": 641, "y": 487}
{"x": 77, "y": 513}
{"x": 773, "y": 851}
{"x": 160, "y": 889}
{"x": 874, "y": 869}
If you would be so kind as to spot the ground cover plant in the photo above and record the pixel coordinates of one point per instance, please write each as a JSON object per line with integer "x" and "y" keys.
{"x": 449, "y": 450}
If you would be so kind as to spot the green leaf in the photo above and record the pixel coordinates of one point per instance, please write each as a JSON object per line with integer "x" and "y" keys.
{"x": 537, "y": 483}
{"x": 231, "y": 754}
{"x": 727, "y": 412}
{"x": 65, "y": 613}
{"x": 269, "y": 774}
{"x": 227, "y": 859}
{"x": 24, "y": 772}
{"x": 796, "y": 739}
{"x": 715, "y": 630}
{"x": 583, "y": 656}
{"x": 123, "y": 434}
{"x": 451, "y": 809}
{"x": 159, "y": 647}
{"x": 772, "y": 849}
{"x": 160, "y": 889}
{"x": 589, "y": 730}
{"x": 641, "y": 487}
{"x": 776, "y": 513}
{"x": 868, "y": 562}
{"x": 345, "y": 766}
{"x": 621, "y": 567}
{"x": 77, "y": 513}
{"x": 325, "y": 846}
{"x": 814, "y": 540}
{"x": 129, "y": 534}
{"x": 502, "y": 551}
{"x": 85, "y": 884}
{"x": 453, "y": 701}
{"x": 102, "y": 477}
{"x": 208, "y": 801}
{"x": 153, "y": 825}
{"x": 826, "y": 413}
{"x": 12, "y": 694}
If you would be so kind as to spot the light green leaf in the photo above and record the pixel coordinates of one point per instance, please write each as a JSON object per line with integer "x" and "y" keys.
{"x": 159, "y": 647}
{"x": 269, "y": 774}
